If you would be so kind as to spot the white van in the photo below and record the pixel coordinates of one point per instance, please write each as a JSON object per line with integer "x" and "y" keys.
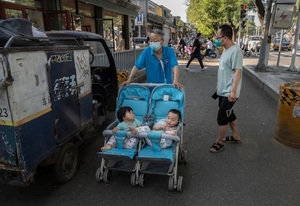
{"x": 253, "y": 40}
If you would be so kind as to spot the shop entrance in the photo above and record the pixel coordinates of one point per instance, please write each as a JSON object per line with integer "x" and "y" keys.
{"x": 106, "y": 30}
{"x": 57, "y": 20}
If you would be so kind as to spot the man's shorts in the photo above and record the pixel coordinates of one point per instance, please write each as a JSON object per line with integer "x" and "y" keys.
{"x": 225, "y": 114}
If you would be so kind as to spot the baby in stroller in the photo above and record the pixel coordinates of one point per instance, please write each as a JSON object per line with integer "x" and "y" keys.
{"x": 168, "y": 126}
{"x": 127, "y": 121}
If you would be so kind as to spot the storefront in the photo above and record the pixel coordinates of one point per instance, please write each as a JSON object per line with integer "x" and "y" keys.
{"x": 113, "y": 20}
{"x": 112, "y": 31}
{"x": 45, "y": 15}
{"x": 24, "y": 9}
{"x": 109, "y": 19}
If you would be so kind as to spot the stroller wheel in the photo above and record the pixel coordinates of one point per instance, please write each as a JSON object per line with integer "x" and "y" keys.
{"x": 107, "y": 175}
{"x": 171, "y": 183}
{"x": 180, "y": 184}
{"x": 133, "y": 178}
{"x": 142, "y": 180}
{"x": 98, "y": 175}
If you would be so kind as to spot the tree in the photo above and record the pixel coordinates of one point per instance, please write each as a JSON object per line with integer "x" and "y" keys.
{"x": 208, "y": 15}
{"x": 266, "y": 39}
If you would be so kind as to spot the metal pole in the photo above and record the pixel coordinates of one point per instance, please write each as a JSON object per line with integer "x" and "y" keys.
{"x": 280, "y": 46}
{"x": 292, "y": 67}
{"x": 139, "y": 31}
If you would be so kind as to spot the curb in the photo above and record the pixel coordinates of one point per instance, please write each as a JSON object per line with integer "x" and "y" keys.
{"x": 263, "y": 81}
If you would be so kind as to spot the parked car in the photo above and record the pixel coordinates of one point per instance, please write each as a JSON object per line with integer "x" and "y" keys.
{"x": 140, "y": 42}
{"x": 253, "y": 41}
{"x": 286, "y": 44}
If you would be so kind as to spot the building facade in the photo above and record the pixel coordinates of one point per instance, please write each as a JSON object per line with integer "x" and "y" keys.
{"x": 155, "y": 16}
{"x": 109, "y": 18}
{"x": 114, "y": 20}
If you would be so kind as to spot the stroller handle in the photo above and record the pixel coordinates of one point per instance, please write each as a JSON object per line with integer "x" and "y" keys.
{"x": 153, "y": 85}
{"x": 150, "y": 84}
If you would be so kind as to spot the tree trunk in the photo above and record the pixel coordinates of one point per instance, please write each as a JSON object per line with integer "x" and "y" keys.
{"x": 266, "y": 40}
{"x": 260, "y": 10}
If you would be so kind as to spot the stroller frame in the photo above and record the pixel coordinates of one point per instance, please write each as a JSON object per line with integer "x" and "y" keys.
{"x": 150, "y": 159}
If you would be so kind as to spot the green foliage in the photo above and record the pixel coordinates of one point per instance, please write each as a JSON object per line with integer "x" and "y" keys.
{"x": 208, "y": 15}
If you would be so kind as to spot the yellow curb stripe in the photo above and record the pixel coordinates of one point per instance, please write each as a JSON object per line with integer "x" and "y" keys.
{"x": 26, "y": 119}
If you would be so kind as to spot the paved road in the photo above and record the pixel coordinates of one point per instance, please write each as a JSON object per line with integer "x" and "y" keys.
{"x": 284, "y": 59}
{"x": 259, "y": 171}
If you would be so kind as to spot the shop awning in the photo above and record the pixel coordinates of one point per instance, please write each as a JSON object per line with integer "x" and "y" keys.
{"x": 122, "y": 7}
{"x": 156, "y": 19}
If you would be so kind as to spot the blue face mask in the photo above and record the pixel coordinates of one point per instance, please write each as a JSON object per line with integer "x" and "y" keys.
{"x": 155, "y": 45}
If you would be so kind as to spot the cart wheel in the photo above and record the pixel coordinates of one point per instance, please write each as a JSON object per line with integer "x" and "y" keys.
{"x": 107, "y": 175}
{"x": 98, "y": 175}
{"x": 185, "y": 156}
{"x": 132, "y": 180}
{"x": 171, "y": 183}
{"x": 142, "y": 180}
{"x": 67, "y": 162}
{"x": 180, "y": 184}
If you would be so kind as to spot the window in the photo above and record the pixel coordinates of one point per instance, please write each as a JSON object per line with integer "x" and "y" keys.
{"x": 85, "y": 9}
{"x": 30, "y": 3}
{"x": 68, "y": 5}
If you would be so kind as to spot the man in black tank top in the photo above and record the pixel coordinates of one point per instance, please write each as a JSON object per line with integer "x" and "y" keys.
{"x": 196, "y": 53}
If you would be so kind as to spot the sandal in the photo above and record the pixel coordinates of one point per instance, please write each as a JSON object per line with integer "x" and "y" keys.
{"x": 216, "y": 147}
{"x": 231, "y": 139}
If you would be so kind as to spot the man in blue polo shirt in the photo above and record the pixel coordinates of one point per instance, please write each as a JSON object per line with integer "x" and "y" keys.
{"x": 160, "y": 62}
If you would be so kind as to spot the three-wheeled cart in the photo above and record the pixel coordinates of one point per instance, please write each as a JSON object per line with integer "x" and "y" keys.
{"x": 49, "y": 97}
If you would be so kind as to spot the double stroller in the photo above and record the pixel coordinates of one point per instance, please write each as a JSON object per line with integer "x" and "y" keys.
{"x": 150, "y": 102}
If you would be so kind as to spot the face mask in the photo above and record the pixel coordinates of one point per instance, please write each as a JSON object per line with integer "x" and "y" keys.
{"x": 222, "y": 42}
{"x": 155, "y": 45}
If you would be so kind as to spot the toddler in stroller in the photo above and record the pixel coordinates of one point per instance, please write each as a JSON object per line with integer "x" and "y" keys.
{"x": 119, "y": 151}
{"x": 127, "y": 121}
{"x": 168, "y": 126}
{"x": 161, "y": 155}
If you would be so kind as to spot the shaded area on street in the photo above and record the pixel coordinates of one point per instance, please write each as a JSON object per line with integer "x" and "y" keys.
{"x": 259, "y": 171}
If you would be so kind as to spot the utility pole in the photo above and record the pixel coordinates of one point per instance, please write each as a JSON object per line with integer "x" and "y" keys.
{"x": 265, "y": 45}
{"x": 280, "y": 47}
{"x": 139, "y": 27}
{"x": 292, "y": 67}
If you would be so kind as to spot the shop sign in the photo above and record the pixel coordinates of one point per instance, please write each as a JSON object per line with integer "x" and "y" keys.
{"x": 139, "y": 20}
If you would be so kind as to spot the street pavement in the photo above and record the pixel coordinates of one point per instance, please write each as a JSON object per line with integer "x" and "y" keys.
{"x": 257, "y": 172}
